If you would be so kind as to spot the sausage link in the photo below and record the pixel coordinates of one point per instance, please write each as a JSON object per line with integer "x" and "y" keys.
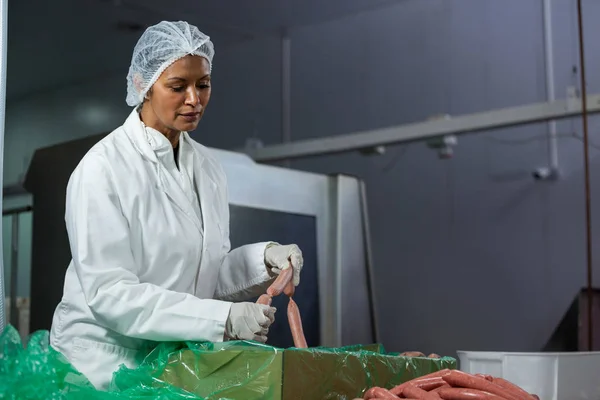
{"x": 264, "y": 299}
{"x": 280, "y": 282}
{"x": 486, "y": 377}
{"x": 444, "y": 386}
{"x": 467, "y": 394}
{"x": 398, "y": 389}
{"x": 512, "y": 388}
{"x": 289, "y": 289}
{"x": 295, "y": 322}
{"x": 429, "y": 384}
{"x": 417, "y": 393}
{"x": 412, "y": 354}
{"x": 464, "y": 380}
{"x": 379, "y": 393}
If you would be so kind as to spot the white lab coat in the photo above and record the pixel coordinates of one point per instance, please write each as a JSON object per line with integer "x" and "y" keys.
{"x": 148, "y": 264}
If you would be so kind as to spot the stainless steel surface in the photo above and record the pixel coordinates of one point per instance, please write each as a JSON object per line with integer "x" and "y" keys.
{"x": 369, "y": 262}
{"x": 488, "y": 120}
{"x": 354, "y": 319}
{"x": 586, "y": 158}
{"x": 14, "y": 271}
{"x": 334, "y": 201}
{"x": 3, "y": 45}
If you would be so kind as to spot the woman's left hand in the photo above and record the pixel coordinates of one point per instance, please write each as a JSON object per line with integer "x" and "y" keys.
{"x": 279, "y": 257}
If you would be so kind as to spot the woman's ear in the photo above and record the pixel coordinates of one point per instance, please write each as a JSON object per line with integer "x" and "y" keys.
{"x": 148, "y": 94}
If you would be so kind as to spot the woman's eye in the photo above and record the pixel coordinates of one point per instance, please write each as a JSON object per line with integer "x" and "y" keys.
{"x": 204, "y": 86}
{"x": 177, "y": 89}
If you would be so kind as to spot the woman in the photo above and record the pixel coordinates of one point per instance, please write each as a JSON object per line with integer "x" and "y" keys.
{"x": 148, "y": 224}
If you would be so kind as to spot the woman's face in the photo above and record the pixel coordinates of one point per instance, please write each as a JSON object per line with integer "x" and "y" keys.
{"x": 176, "y": 102}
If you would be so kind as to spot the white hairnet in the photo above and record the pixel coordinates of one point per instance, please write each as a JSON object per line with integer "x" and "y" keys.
{"x": 159, "y": 47}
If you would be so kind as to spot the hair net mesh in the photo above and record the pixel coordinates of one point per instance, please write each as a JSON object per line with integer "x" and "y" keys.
{"x": 159, "y": 47}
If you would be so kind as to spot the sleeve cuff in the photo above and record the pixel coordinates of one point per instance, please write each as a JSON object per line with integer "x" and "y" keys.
{"x": 250, "y": 277}
{"x": 214, "y": 329}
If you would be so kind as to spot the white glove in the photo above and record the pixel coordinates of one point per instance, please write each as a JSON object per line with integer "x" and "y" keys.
{"x": 278, "y": 258}
{"x": 249, "y": 321}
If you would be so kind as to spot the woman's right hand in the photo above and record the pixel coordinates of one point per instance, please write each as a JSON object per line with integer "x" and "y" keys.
{"x": 249, "y": 321}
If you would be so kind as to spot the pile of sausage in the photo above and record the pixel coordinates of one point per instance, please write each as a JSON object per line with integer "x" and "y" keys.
{"x": 441, "y": 385}
{"x": 284, "y": 284}
{"x": 452, "y": 385}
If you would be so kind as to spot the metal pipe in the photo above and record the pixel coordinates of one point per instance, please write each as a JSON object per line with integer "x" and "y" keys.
{"x": 588, "y": 203}
{"x": 484, "y": 121}
{"x": 286, "y": 88}
{"x": 3, "y": 45}
{"x": 14, "y": 272}
{"x": 550, "y": 86}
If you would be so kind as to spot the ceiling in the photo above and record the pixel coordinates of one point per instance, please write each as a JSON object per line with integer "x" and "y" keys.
{"x": 53, "y": 44}
{"x": 260, "y": 16}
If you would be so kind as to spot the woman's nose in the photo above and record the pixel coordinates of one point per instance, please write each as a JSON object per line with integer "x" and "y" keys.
{"x": 192, "y": 97}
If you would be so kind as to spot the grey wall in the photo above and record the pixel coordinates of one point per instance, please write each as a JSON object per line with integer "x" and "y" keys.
{"x": 470, "y": 253}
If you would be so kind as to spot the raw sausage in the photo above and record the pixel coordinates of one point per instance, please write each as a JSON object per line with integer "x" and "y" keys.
{"x": 467, "y": 394}
{"x": 449, "y": 384}
{"x": 433, "y": 355}
{"x": 398, "y": 389}
{"x": 295, "y": 322}
{"x": 284, "y": 283}
{"x": 412, "y": 354}
{"x": 462, "y": 379}
{"x": 289, "y": 289}
{"x": 378, "y": 393}
{"x": 512, "y": 388}
{"x": 486, "y": 377}
{"x": 281, "y": 282}
{"x": 429, "y": 384}
{"x": 264, "y": 299}
{"x": 444, "y": 386}
{"x": 417, "y": 393}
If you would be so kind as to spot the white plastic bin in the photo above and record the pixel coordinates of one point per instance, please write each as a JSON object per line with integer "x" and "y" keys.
{"x": 552, "y": 376}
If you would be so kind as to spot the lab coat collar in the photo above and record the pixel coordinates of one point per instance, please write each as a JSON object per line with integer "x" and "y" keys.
{"x": 135, "y": 131}
{"x": 146, "y": 144}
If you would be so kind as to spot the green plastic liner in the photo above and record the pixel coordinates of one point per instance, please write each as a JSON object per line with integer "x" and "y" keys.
{"x": 210, "y": 371}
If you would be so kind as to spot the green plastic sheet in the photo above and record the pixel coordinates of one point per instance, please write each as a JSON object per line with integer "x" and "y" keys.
{"x": 209, "y": 371}
{"x": 37, "y": 371}
{"x": 347, "y": 372}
